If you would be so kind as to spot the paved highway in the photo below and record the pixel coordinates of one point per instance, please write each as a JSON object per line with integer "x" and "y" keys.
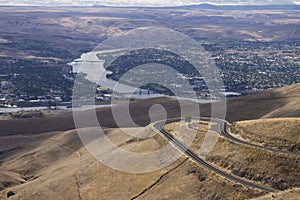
{"x": 185, "y": 150}
{"x": 223, "y": 131}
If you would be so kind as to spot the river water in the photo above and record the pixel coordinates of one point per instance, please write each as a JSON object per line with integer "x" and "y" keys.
{"x": 89, "y": 64}
{"x": 94, "y": 68}
{"x": 82, "y": 108}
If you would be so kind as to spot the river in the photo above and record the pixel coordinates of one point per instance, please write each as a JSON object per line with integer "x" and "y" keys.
{"x": 82, "y": 108}
{"x": 94, "y": 68}
{"x": 89, "y": 64}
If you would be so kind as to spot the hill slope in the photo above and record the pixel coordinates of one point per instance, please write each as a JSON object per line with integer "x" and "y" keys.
{"x": 55, "y": 164}
{"x": 281, "y": 102}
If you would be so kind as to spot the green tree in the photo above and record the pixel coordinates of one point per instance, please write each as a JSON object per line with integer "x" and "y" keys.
{"x": 188, "y": 119}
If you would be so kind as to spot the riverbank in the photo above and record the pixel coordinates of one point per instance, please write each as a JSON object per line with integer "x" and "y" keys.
{"x": 82, "y": 108}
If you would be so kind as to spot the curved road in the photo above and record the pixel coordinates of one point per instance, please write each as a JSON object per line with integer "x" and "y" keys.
{"x": 185, "y": 150}
{"x": 223, "y": 131}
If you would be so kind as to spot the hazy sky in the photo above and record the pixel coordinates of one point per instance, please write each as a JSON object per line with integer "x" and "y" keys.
{"x": 142, "y": 2}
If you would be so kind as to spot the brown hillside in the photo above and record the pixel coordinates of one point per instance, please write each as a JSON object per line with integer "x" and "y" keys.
{"x": 289, "y": 194}
{"x": 281, "y": 102}
{"x": 57, "y": 166}
{"x": 279, "y": 133}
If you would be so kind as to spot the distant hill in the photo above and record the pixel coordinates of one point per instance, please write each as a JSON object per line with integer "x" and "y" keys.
{"x": 221, "y": 7}
{"x": 244, "y": 7}
{"x": 209, "y": 6}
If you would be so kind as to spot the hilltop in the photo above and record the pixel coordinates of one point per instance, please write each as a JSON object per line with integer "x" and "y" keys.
{"x": 239, "y": 7}
{"x": 280, "y": 102}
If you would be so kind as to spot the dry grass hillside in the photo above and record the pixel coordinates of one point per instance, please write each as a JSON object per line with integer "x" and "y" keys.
{"x": 290, "y": 195}
{"x": 280, "y": 133}
{"x": 43, "y": 158}
{"x": 281, "y": 102}
{"x": 278, "y": 171}
{"x": 57, "y": 166}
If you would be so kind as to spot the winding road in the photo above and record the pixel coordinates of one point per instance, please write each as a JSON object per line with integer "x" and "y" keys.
{"x": 223, "y": 131}
{"x": 189, "y": 153}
